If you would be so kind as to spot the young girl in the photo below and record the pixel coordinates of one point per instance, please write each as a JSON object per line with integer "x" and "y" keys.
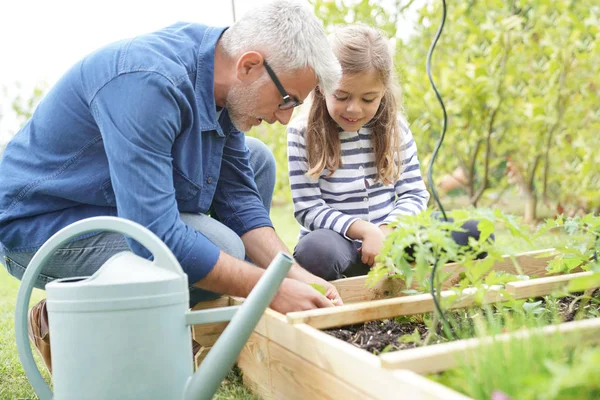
{"x": 353, "y": 162}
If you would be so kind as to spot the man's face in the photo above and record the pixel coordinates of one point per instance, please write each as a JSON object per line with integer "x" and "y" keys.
{"x": 250, "y": 103}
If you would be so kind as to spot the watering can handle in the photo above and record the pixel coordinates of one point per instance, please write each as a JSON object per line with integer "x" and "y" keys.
{"x": 162, "y": 257}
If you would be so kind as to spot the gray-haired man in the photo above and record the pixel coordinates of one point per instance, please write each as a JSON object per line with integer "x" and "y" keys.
{"x": 149, "y": 129}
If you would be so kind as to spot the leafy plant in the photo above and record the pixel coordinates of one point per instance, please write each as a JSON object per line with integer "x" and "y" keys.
{"x": 420, "y": 244}
{"x": 536, "y": 367}
{"x": 580, "y": 250}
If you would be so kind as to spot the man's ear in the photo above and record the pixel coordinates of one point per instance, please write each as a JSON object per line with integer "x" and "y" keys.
{"x": 249, "y": 66}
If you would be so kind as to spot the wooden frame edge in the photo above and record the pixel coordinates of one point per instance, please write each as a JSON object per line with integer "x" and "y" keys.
{"x": 441, "y": 357}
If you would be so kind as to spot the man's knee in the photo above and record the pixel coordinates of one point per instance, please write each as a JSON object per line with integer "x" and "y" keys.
{"x": 262, "y": 159}
{"x": 222, "y": 236}
{"x": 233, "y": 246}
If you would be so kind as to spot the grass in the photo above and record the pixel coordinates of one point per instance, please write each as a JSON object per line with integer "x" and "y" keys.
{"x": 14, "y": 384}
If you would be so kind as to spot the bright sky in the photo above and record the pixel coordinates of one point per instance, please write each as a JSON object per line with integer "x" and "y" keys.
{"x": 41, "y": 39}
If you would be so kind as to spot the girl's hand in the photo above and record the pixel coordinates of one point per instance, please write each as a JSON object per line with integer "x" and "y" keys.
{"x": 372, "y": 242}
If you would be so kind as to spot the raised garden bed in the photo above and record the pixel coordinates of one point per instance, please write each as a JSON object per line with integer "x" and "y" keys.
{"x": 396, "y": 334}
{"x": 291, "y": 357}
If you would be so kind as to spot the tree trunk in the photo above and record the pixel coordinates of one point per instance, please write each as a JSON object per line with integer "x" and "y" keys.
{"x": 530, "y": 213}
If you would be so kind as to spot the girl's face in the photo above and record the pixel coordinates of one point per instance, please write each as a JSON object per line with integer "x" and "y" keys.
{"x": 356, "y": 100}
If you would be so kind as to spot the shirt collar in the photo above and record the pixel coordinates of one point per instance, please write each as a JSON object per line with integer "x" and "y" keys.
{"x": 205, "y": 79}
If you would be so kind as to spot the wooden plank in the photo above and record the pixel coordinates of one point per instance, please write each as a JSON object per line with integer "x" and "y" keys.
{"x": 339, "y": 358}
{"x": 200, "y": 356}
{"x": 441, "y": 357}
{"x": 274, "y": 372}
{"x": 297, "y": 352}
{"x": 207, "y": 334}
{"x": 355, "y": 366}
{"x": 294, "y": 378}
{"x": 543, "y": 286}
{"x": 355, "y": 289}
{"x": 324, "y": 318}
{"x": 531, "y": 263}
{"x": 255, "y": 363}
{"x": 419, "y": 387}
{"x": 222, "y": 301}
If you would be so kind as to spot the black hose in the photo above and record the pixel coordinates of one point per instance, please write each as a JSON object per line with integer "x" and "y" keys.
{"x": 434, "y": 295}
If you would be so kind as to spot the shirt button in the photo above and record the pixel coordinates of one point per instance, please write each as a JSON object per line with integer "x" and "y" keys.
{"x": 360, "y": 168}
{"x": 366, "y": 199}
{"x": 209, "y": 179}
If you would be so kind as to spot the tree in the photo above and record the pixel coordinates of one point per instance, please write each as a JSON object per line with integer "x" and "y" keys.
{"x": 22, "y": 108}
{"x": 519, "y": 80}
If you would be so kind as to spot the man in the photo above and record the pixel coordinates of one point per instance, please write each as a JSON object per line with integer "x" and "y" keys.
{"x": 149, "y": 129}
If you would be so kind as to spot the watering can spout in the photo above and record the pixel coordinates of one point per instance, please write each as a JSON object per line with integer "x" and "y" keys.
{"x": 218, "y": 362}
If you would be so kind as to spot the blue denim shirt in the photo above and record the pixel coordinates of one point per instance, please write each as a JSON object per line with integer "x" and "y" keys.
{"x": 132, "y": 130}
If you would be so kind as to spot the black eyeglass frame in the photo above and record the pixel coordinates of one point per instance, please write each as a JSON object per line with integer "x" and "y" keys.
{"x": 288, "y": 102}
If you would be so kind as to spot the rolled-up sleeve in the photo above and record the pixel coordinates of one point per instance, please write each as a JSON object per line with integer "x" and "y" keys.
{"x": 237, "y": 201}
{"x": 139, "y": 115}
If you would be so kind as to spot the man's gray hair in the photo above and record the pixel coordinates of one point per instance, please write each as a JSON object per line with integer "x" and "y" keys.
{"x": 289, "y": 36}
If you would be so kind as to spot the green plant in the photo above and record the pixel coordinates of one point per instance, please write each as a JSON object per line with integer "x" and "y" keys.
{"x": 419, "y": 242}
{"x": 423, "y": 243}
{"x": 534, "y": 367}
{"x": 580, "y": 250}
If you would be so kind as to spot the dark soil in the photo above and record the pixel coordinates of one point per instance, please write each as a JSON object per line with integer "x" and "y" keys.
{"x": 375, "y": 336}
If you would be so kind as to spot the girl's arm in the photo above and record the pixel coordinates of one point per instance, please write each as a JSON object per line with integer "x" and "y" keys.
{"x": 412, "y": 195}
{"x": 310, "y": 210}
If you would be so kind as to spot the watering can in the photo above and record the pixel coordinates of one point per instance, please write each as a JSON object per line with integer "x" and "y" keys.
{"x": 124, "y": 332}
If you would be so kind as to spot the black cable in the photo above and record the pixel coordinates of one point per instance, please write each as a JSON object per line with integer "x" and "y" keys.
{"x": 430, "y": 168}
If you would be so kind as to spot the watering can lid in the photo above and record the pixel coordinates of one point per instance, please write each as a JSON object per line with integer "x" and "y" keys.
{"x": 125, "y": 281}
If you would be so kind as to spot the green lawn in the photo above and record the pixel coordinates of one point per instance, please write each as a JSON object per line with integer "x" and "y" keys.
{"x": 14, "y": 385}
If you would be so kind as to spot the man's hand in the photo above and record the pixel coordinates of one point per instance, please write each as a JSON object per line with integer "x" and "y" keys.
{"x": 372, "y": 242}
{"x": 294, "y": 295}
{"x": 330, "y": 291}
{"x": 302, "y": 275}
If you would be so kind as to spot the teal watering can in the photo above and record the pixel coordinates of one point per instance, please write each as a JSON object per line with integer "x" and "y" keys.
{"x": 124, "y": 332}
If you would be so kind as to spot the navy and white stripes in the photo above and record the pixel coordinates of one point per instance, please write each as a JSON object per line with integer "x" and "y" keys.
{"x": 351, "y": 193}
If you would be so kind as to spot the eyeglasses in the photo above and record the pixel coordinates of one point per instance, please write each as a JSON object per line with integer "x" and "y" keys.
{"x": 288, "y": 102}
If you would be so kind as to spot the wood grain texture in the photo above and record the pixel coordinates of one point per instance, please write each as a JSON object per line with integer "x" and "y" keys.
{"x": 543, "y": 286}
{"x": 355, "y": 289}
{"x": 207, "y": 334}
{"x": 255, "y": 363}
{"x": 324, "y": 318}
{"x": 441, "y": 357}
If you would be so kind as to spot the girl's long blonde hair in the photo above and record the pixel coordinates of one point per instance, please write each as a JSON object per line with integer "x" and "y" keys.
{"x": 359, "y": 49}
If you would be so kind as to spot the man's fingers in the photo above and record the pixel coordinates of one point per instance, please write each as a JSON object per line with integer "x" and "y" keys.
{"x": 337, "y": 301}
{"x": 322, "y": 302}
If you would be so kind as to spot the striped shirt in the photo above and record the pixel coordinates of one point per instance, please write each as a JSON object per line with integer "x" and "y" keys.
{"x": 351, "y": 193}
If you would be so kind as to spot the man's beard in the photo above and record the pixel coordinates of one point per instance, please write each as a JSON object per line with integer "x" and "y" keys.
{"x": 241, "y": 104}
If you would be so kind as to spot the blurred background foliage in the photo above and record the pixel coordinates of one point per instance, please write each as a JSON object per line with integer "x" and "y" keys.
{"x": 520, "y": 81}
